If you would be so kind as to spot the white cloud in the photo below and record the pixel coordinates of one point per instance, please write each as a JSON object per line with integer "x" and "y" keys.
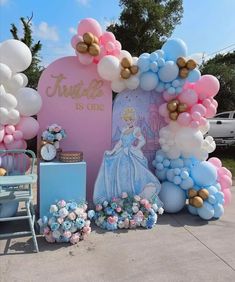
{"x": 72, "y": 30}
{"x": 3, "y": 2}
{"x": 44, "y": 31}
{"x": 83, "y": 2}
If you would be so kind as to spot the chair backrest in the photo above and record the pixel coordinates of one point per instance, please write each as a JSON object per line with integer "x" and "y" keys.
{"x": 18, "y": 161}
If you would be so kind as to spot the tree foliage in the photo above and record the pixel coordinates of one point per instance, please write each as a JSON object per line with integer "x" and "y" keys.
{"x": 34, "y": 71}
{"x": 144, "y": 25}
{"x": 222, "y": 66}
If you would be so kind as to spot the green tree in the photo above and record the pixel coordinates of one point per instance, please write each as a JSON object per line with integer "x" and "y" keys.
{"x": 222, "y": 66}
{"x": 34, "y": 71}
{"x": 144, "y": 25}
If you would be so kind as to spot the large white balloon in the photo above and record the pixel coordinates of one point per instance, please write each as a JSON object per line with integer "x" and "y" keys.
{"x": 109, "y": 68}
{"x": 118, "y": 85}
{"x": 132, "y": 82}
{"x": 5, "y": 73}
{"x": 16, "y": 82}
{"x": 15, "y": 54}
{"x": 13, "y": 117}
{"x": 29, "y": 101}
{"x": 3, "y": 115}
{"x": 7, "y": 100}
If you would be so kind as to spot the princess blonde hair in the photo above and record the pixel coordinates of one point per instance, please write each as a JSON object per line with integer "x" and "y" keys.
{"x": 129, "y": 113}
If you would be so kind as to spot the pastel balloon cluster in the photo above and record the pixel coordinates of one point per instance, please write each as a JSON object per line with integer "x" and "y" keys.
{"x": 197, "y": 101}
{"x": 95, "y": 43}
{"x": 17, "y": 102}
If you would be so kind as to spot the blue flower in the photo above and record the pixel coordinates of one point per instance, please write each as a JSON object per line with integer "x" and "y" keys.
{"x": 80, "y": 222}
{"x": 111, "y": 227}
{"x": 73, "y": 206}
{"x": 114, "y": 206}
{"x": 91, "y": 214}
{"x": 55, "y": 226}
{"x": 150, "y": 222}
{"x": 66, "y": 225}
{"x": 109, "y": 211}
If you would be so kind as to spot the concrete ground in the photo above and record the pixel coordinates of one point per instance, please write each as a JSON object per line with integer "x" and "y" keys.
{"x": 181, "y": 247}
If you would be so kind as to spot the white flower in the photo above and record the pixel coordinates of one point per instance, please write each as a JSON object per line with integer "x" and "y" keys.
{"x": 135, "y": 209}
{"x": 58, "y": 136}
{"x": 121, "y": 224}
{"x": 143, "y": 223}
{"x": 155, "y": 207}
{"x": 56, "y": 234}
{"x": 53, "y": 208}
{"x": 161, "y": 210}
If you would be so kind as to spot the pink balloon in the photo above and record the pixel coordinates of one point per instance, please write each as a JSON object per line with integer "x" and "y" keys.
{"x": 75, "y": 39}
{"x": 110, "y": 46}
{"x": 194, "y": 124}
{"x": 85, "y": 59}
{"x": 28, "y": 126}
{"x": 184, "y": 119}
{"x": 214, "y": 102}
{"x": 199, "y": 108}
{"x": 203, "y": 121}
{"x": 118, "y": 45}
{"x": 208, "y": 84}
{"x": 16, "y": 144}
{"x": 206, "y": 102}
{"x": 189, "y": 97}
{"x": 168, "y": 96}
{"x": 163, "y": 110}
{"x": 215, "y": 161}
{"x": 225, "y": 182}
{"x": 8, "y": 139}
{"x": 9, "y": 129}
{"x": 224, "y": 171}
{"x": 2, "y": 132}
{"x": 196, "y": 116}
{"x": 89, "y": 25}
{"x": 106, "y": 37}
{"x": 17, "y": 135}
{"x": 227, "y": 197}
{"x": 211, "y": 111}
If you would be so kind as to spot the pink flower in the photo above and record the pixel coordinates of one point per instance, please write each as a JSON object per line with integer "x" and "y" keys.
{"x": 72, "y": 216}
{"x": 143, "y": 201}
{"x": 118, "y": 209}
{"x": 60, "y": 220}
{"x": 98, "y": 207}
{"x": 140, "y": 214}
{"x": 61, "y": 203}
{"x": 111, "y": 220}
{"x": 67, "y": 234}
{"x": 46, "y": 230}
{"x": 75, "y": 238}
{"x": 147, "y": 206}
{"x": 57, "y": 129}
{"x": 132, "y": 223}
{"x": 86, "y": 230}
{"x": 124, "y": 195}
{"x": 137, "y": 198}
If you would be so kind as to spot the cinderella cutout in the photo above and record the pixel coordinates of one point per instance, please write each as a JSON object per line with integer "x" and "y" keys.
{"x": 125, "y": 168}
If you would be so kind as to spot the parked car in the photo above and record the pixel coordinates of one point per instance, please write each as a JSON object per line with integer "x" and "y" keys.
{"x": 222, "y": 128}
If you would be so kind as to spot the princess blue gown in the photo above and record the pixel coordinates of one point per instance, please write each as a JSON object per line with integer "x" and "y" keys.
{"x": 125, "y": 169}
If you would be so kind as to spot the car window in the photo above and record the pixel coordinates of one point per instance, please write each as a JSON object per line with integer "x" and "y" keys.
{"x": 224, "y": 115}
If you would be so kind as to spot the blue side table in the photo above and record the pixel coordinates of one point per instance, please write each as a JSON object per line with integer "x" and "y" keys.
{"x": 59, "y": 181}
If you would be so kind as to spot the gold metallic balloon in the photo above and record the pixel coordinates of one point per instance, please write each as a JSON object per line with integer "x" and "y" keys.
{"x": 191, "y": 201}
{"x": 183, "y": 73}
{"x": 96, "y": 40}
{"x": 134, "y": 69}
{"x": 181, "y": 62}
{"x": 82, "y": 47}
{"x": 126, "y": 63}
{"x": 182, "y": 107}
{"x": 172, "y": 105}
{"x": 192, "y": 193}
{"x": 191, "y": 64}
{"x": 197, "y": 202}
{"x": 203, "y": 193}
{"x": 125, "y": 73}
{"x": 88, "y": 38}
{"x": 94, "y": 49}
{"x": 173, "y": 115}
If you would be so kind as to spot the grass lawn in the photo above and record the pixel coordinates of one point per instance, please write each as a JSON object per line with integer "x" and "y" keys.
{"x": 227, "y": 156}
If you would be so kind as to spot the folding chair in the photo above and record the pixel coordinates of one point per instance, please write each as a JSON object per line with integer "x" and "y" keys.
{"x": 16, "y": 186}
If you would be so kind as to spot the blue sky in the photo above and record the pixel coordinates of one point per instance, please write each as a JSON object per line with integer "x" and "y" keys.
{"x": 207, "y": 26}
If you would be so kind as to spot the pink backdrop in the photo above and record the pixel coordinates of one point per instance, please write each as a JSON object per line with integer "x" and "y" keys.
{"x": 75, "y": 97}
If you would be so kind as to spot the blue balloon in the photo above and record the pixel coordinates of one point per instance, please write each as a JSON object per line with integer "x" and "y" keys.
{"x": 154, "y": 66}
{"x": 178, "y": 89}
{"x": 159, "y": 158}
{"x": 212, "y": 190}
{"x": 220, "y": 197}
{"x": 187, "y": 183}
{"x": 177, "y": 180}
{"x": 166, "y": 163}
{"x": 161, "y": 62}
{"x": 212, "y": 199}
{"x": 168, "y": 72}
{"x": 160, "y": 87}
{"x": 170, "y": 175}
{"x": 204, "y": 173}
{"x": 161, "y": 174}
{"x": 177, "y": 163}
{"x": 174, "y": 48}
{"x": 218, "y": 210}
{"x": 148, "y": 81}
{"x": 184, "y": 174}
{"x": 159, "y": 166}
{"x": 143, "y": 64}
{"x": 154, "y": 56}
{"x": 167, "y": 85}
{"x": 171, "y": 90}
{"x": 206, "y": 211}
{"x": 172, "y": 197}
{"x": 176, "y": 83}
{"x": 194, "y": 75}
{"x": 177, "y": 171}
{"x": 160, "y": 53}
{"x": 192, "y": 210}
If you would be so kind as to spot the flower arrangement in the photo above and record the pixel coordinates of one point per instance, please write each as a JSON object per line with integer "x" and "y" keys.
{"x": 127, "y": 212}
{"x": 67, "y": 222}
{"x": 54, "y": 133}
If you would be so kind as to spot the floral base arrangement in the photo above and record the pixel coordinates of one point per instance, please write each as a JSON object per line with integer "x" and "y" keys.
{"x": 54, "y": 133}
{"x": 127, "y": 212}
{"x": 67, "y": 222}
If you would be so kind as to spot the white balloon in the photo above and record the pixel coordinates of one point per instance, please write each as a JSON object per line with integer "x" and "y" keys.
{"x": 132, "y": 82}
{"x": 3, "y": 115}
{"x": 118, "y": 85}
{"x": 13, "y": 117}
{"x": 29, "y": 101}
{"x": 7, "y": 100}
{"x": 16, "y": 82}
{"x": 15, "y": 54}
{"x": 5, "y": 73}
{"x": 135, "y": 60}
{"x": 109, "y": 68}
{"x": 125, "y": 54}
{"x": 25, "y": 79}
{"x": 204, "y": 129}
